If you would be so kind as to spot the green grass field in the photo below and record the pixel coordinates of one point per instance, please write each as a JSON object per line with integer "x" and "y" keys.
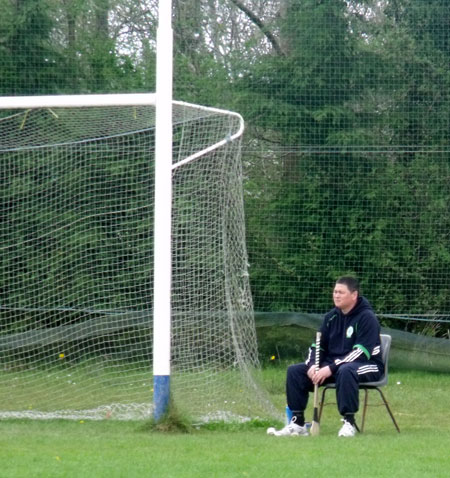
{"x": 131, "y": 449}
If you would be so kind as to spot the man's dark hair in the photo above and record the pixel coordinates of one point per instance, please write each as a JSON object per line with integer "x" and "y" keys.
{"x": 351, "y": 282}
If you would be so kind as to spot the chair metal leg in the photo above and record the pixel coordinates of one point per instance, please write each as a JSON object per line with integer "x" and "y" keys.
{"x": 364, "y": 411}
{"x": 322, "y": 401}
{"x": 388, "y": 408}
{"x": 363, "y": 420}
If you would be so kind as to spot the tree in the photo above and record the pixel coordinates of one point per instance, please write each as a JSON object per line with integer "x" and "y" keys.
{"x": 28, "y": 62}
{"x": 342, "y": 120}
{"x": 302, "y": 106}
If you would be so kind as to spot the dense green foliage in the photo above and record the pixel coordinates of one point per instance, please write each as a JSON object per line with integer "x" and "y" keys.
{"x": 358, "y": 111}
{"x": 347, "y": 105}
{"x": 28, "y": 63}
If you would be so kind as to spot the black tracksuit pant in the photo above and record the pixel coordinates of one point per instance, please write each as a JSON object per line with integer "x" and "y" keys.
{"x": 347, "y": 378}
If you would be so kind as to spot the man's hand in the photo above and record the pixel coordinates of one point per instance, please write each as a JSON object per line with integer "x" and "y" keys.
{"x": 311, "y": 372}
{"x": 320, "y": 376}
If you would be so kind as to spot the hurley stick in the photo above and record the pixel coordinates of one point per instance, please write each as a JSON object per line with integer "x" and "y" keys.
{"x": 315, "y": 426}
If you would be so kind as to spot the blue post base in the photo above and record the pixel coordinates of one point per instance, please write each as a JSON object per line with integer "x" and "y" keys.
{"x": 161, "y": 395}
{"x": 288, "y": 415}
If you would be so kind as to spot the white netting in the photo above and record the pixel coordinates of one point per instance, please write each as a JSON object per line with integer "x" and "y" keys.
{"x": 76, "y": 274}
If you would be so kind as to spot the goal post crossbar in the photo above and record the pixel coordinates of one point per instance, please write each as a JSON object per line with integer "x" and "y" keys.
{"x": 217, "y": 145}
{"x": 76, "y": 101}
{"x": 126, "y": 99}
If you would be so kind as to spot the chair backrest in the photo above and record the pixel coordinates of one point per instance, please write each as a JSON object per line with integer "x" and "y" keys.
{"x": 385, "y": 349}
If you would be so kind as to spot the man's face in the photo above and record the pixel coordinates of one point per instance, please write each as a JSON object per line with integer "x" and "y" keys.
{"x": 343, "y": 298}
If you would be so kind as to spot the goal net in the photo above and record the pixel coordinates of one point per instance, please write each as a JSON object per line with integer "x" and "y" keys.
{"x": 76, "y": 264}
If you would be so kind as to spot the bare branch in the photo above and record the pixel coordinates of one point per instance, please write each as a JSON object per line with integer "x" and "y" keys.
{"x": 260, "y": 24}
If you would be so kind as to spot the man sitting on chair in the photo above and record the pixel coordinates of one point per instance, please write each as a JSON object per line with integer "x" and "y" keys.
{"x": 350, "y": 354}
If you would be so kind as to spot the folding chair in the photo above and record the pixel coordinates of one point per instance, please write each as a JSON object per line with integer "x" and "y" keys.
{"x": 385, "y": 349}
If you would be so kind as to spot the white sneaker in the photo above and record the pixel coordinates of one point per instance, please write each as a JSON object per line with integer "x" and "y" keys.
{"x": 291, "y": 429}
{"x": 347, "y": 429}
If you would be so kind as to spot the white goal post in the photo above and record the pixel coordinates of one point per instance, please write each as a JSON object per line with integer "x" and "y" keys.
{"x": 77, "y": 101}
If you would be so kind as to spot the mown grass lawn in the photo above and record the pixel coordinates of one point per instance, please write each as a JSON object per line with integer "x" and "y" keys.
{"x": 131, "y": 449}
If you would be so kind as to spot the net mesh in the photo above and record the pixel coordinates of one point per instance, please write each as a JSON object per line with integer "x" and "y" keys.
{"x": 76, "y": 265}
{"x": 346, "y": 152}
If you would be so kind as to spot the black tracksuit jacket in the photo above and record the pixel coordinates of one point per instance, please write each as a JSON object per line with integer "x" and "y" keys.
{"x": 354, "y": 337}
